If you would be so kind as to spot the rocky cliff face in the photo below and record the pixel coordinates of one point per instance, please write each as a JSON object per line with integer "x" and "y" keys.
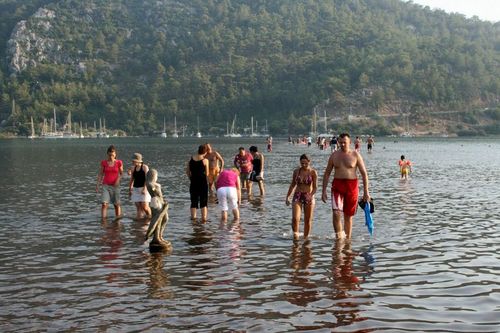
{"x": 29, "y": 43}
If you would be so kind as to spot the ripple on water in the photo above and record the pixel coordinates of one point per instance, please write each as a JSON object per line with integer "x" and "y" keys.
{"x": 431, "y": 266}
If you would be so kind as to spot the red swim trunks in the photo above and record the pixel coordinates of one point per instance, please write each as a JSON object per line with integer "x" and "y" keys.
{"x": 345, "y": 195}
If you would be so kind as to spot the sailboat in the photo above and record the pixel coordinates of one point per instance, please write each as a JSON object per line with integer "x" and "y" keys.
{"x": 68, "y": 132}
{"x": 164, "y": 133}
{"x": 198, "y": 134}
{"x": 32, "y": 135}
{"x": 232, "y": 134}
{"x": 102, "y": 130}
{"x": 81, "y": 131}
{"x": 53, "y": 134}
{"x": 252, "y": 133}
{"x": 175, "y": 135}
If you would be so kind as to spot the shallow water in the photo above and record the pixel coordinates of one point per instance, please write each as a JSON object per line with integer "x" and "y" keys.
{"x": 431, "y": 266}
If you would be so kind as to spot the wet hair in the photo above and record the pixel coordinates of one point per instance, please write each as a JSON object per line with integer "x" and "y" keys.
{"x": 344, "y": 135}
{"x": 253, "y": 149}
{"x": 305, "y": 157}
{"x": 111, "y": 149}
{"x": 402, "y": 157}
{"x": 241, "y": 148}
{"x": 202, "y": 149}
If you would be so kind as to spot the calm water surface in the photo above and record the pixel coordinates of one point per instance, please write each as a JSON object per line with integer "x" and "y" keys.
{"x": 432, "y": 265}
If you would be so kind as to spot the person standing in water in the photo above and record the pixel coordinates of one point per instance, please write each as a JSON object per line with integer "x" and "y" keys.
{"x": 257, "y": 174}
{"x": 197, "y": 171}
{"x": 344, "y": 163}
{"x": 369, "y": 143}
{"x": 229, "y": 192}
{"x": 404, "y": 167}
{"x": 269, "y": 144}
{"x": 243, "y": 162}
{"x": 357, "y": 144}
{"x": 215, "y": 165}
{"x": 109, "y": 176}
{"x": 304, "y": 182}
{"x": 138, "y": 192}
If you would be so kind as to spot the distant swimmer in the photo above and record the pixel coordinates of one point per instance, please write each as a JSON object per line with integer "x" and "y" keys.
{"x": 369, "y": 143}
{"x": 304, "y": 182}
{"x": 333, "y": 143}
{"x": 109, "y": 176}
{"x": 404, "y": 167}
{"x": 357, "y": 144}
{"x": 215, "y": 165}
{"x": 344, "y": 163}
{"x": 269, "y": 143}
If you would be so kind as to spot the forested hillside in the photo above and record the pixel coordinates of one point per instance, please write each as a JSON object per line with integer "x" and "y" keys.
{"x": 134, "y": 62}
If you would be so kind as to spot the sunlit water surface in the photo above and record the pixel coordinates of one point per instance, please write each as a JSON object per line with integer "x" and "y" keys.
{"x": 431, "y": 266}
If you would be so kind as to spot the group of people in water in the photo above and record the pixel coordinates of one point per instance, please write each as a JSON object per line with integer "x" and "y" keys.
{"x": 208, "y": 173}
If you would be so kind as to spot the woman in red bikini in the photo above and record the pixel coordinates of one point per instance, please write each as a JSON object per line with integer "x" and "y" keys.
{"x": 304, "y": 182}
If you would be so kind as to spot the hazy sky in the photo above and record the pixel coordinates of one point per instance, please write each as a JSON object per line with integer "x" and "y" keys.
{"x": 484, "y": 9}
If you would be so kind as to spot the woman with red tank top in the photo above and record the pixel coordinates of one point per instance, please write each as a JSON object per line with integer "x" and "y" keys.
{"x": 110, "y": 172}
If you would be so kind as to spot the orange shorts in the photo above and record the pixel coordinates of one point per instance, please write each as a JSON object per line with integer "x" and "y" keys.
{"x": 213, "y": 174}
{"x": 345, "y": 195}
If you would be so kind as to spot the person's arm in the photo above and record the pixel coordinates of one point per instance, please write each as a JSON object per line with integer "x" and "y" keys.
{"x": 236, "y": 162}
{"x": 238, "y": 189}
{"x": 188, "y": 172}
{"x": 219, "y": 157}
{"x": 131, "y": 183}
{"x": 262, "y": 165}
{"x": 315, "y": 182}
{"x": 120, "y": 174}
{"x": 207, "y": 169}
{"x": 326, "y": 177}
{"x": 100, "y": 174}
{"x": 146, "y": 170}
{"x": 364, "y": 175}
{"x": 292, "y": 186}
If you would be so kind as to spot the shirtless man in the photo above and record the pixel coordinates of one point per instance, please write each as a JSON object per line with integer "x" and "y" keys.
{"x": 214, "y": 167}
{"x": 344, "y": 191}
{"x": 370, "y": 142}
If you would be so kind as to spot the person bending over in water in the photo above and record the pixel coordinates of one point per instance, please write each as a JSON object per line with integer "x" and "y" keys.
{"x": 304, "y": 182}
{"x": 404, "y": 167}
{"x": 344, "y": 162}
{"x": 229, "y": 192}
{"x": 110, "y": 173}
{"x": 159, "y": 208}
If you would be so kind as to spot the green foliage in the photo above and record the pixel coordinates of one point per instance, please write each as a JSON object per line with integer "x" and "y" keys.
{"x": 134, "y": 62}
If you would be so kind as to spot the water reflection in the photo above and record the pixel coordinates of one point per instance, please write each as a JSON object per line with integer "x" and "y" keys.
{"x": 345, "y": 282}
{"x": 112, "y": 243}
{"x": 159, "y": 280}
{"x": 305, "y": 289}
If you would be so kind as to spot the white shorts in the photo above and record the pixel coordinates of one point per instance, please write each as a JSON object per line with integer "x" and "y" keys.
{"x": 140, "y": 194}
{"x": 228, "y": 198}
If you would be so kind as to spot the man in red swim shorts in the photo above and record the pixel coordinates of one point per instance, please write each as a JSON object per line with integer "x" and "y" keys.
{"x": 345, "y": 162}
